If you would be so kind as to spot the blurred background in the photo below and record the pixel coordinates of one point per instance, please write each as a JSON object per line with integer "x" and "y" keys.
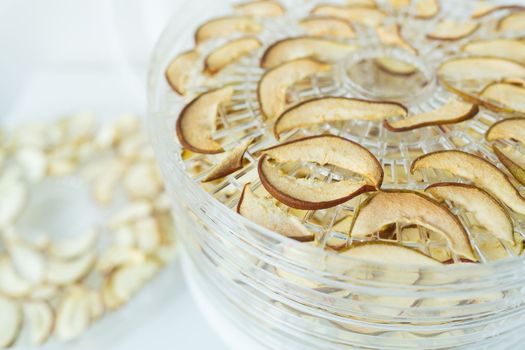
{"x": 65, "y": 56}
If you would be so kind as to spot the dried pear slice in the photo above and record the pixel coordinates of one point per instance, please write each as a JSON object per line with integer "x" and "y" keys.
{"x": 271, "y": 90}
{"x": 198, "y": 121}
{"x": 264, "y": 212}
{"x": 454, "y": 111}
{"x": 391, "y": 35}
{"x": 514, "y": 22}
{"x": 507, "y": 129}
{"x": 328, "y": 26}
{"x": 224, "y": 26}
{"x": 511, "y": 49}
{"x": 325, "y": 149}
{"x": 40, "y": 318}
{"x": 365, "y": 15}
{"x": 178, "y": 71}
{"x": 483, "y": 8}
{"x": 395, "y": 66}
{"x": 10, "y": 321}
{"x": 480, "y": 69}
{"x": 487, "y": 210}
{"x": 453, "y": 30}
{"x": 230, "y": 163}
{"x": 229, "y": 53}
{"x": 503, "y": 97}
{"x": 513, "y": 160}
{"x": 293, "y": 48}
{"x": 361, "y": 3}
{"x": 333, "y": 109}
{"x": 389, "y": 253}
{"x": 399, "y": 4}
{"x": 478, "y": 170}
{"x": 386, "y": 207}
{"x": 260, "y": 8}
{"x": 426, "y": 9}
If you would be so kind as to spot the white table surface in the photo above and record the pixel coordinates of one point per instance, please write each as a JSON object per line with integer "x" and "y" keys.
{"x": 54, "y": 62}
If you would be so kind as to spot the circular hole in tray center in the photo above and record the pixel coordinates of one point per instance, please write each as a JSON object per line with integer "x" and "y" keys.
{"x": 60, "y": 209}
{"x": 389, "y": 74}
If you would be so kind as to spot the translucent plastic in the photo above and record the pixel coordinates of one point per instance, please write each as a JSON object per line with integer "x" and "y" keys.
{"x": 289, "y": 295}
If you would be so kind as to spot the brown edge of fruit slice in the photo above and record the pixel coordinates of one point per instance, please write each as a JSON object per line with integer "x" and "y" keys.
{"x": 505, "y": 129}
{"x": 440, "y": 116}
{"x": 229, "y": 53}
{"x": 503, "y": 20}
{"x": 343, "y": 11}
{"x": 346, "y": 29}
{"x": 249, "y": 25}
{"x": 306, "y": 117}
{"x": 496, "y": 8}
{"x": 374, "y": 180}
{"x": 260, "y": 8}
{"x": 494, "y": 209}
{"x": 512, "y": 166}
{"x": 395, "y": 66}
{"x": 258, "y": 210}
{"x": 198, "y": 118}
{"x": 436, "y": 8}
{"x": 499, "y": 106}
{"x": 230, "y": 163}
{"x": 455, "y": 36}
{"x": 368, "y": 218}
{"x": 177, "y": 72}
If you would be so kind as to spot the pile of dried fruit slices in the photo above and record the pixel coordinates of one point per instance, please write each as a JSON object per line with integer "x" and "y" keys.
{"x": 271, "y": 128}
{"x": 55, "y": 285}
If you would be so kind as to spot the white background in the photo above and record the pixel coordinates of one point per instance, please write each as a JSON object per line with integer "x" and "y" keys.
{"x": 63, "y": 56}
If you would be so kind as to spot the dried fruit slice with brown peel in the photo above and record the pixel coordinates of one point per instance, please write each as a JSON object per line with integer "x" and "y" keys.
{"x": 325, "y": 149}
{"x": 426, "y": 9}
{"x": 39, "y": 317}
{"x": 513, "y": 160}
{"x": 395, "y": 66}
{"x": 333, "y": 109}
{"x": 476, "y": 169}
{"x": 453, "y": 30}
{"x": 260, "y": 8}
{"x": 391, "y": 35}
{"x": 271, "y": 90}
{"x": 225, "y": 26}
{"x": 230, "y": 163}
{"x": 487, "y": 210}
{"x": 229, "y": 53}
{"x": 10, "y": 321}
{"x": 410, "y": 207}
{"x": 264, "y": 212}
{"x": 289, "y": 49}
{"x": 365, "y": 15}
{"x": 361, "y": 3}
{"x": 179, "y": 70}
{"x": 198, "y": 121}
{"x": 328, "y": 26}
{"x": 483, "y": 8}
{"x": 503, "y": 97}
{"x": 511, "y": 49}
{"x": 513, "y": 22}
{"x": 507, "y": 129}
{"x": 454, "y": 111}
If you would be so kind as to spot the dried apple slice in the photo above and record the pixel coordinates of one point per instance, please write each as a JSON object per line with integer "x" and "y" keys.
{"x": 230, "y": 163}
{"x": 271, "y": 90}
{"x": 325, "y": 149}
{"x": 453, "y": 30}
{"x": 410, "y": 207}
{"x": 486, "y": 209}
{"x": 264, "y": 212}
{"x": 514, "y": 22}
{"x": 293, "y": 48}
{"x": 178, "y": 71}
{"x": 507, "y": 129}
{"x": 480, "y": 69}
{"x": 333, "y": 109}
{"x": 390, "y": 253}
{"x": 513, "y": 160}
{"x": 328, "y": 26}
{"x": 426, "y": 9}
{"x": 40, "y": 318}
{"x": 512, "y": 49}
{"x": 224, "y": 26}
{"x": 454, "y": 111}
{"x": 198, "y": 121}
{"x": 503, "y": 97}
{"x": 365, "y": 15}
{"x": 476, "y": 169}
{"x": 395, "y": 66}
{"x": 229, "y": 53}
{"x": 10, "y": 321}
{"x": 260, "y": 8}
